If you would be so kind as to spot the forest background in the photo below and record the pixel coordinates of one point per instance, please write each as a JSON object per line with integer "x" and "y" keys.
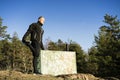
{"x": 102, "y": 59}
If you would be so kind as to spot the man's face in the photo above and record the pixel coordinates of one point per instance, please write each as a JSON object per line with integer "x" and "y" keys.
{"x": 42, "y": 20}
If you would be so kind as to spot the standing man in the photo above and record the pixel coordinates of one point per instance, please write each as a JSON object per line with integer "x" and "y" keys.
{"x": 35, "y": 44}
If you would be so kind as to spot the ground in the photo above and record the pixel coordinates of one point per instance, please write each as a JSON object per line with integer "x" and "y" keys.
{"x": 15, "y": 75}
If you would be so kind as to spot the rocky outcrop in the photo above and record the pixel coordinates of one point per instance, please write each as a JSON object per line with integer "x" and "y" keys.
{"x": 16, "y": 75}
{"x": 80, "y": 77}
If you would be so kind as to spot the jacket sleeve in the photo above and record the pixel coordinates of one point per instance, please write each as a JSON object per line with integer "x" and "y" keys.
{"x": 41, "y": 43}
{"x": 25, "y": 36}
{"x": 42, "y": 47}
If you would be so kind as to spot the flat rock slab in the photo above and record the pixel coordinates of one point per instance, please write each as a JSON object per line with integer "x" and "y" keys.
{"x": 57, "y": 62}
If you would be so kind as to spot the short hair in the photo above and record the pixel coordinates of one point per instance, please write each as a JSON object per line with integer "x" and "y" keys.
{"x": 40, "y": 17}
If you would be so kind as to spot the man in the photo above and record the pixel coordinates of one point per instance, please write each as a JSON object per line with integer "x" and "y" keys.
{"x": 35, "y": 44}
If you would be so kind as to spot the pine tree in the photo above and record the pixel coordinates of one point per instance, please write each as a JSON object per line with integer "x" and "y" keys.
{"x": 3, "y": 32}
{"x": 108, "y": 46}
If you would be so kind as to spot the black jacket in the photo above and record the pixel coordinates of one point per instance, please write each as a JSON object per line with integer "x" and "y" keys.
{"x": 36, "y": 32}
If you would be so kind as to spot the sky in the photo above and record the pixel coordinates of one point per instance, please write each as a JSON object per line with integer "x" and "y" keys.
{"x": 76, "y": 20}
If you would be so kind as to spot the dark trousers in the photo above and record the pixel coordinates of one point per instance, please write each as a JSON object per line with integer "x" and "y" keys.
{"x": 35, "y": 48}
{"x": 36, "y": 65}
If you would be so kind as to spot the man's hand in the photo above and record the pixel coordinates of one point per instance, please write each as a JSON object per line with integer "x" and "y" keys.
{"x": 27, "y": 43}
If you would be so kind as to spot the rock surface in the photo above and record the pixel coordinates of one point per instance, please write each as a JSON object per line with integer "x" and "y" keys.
{"x": 15, "y": 75}
{"x": 57, "y": 62}
{"x": 80, "y": 77}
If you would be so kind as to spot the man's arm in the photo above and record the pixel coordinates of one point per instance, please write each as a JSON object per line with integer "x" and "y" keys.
{"x": 41, "y": 43}
{"x": 42, "y": 47}
{"x": 25, "y": 36}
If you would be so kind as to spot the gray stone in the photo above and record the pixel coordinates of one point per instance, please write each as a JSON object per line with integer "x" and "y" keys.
{"x": 57, "y": 62}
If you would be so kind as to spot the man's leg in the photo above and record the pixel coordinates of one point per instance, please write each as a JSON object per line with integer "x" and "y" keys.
{"x": 35, "y": 64}
{"x": 36, "y": 60}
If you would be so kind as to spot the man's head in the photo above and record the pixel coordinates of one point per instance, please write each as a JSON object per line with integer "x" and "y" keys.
{"x": 41, "y": 19}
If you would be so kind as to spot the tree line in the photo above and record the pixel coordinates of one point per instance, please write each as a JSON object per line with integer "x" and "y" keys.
{"x": 102, "y": 59}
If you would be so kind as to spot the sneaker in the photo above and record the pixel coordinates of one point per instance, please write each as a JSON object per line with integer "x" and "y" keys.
{"x": 34, "y": 74}
{"x": 38, "y": 73}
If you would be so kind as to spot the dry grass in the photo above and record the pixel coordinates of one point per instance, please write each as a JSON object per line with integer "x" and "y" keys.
{"x": 15, "y": 75}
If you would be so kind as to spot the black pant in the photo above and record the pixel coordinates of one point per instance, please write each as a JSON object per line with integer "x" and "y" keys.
{"x": 35, "y": 48}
